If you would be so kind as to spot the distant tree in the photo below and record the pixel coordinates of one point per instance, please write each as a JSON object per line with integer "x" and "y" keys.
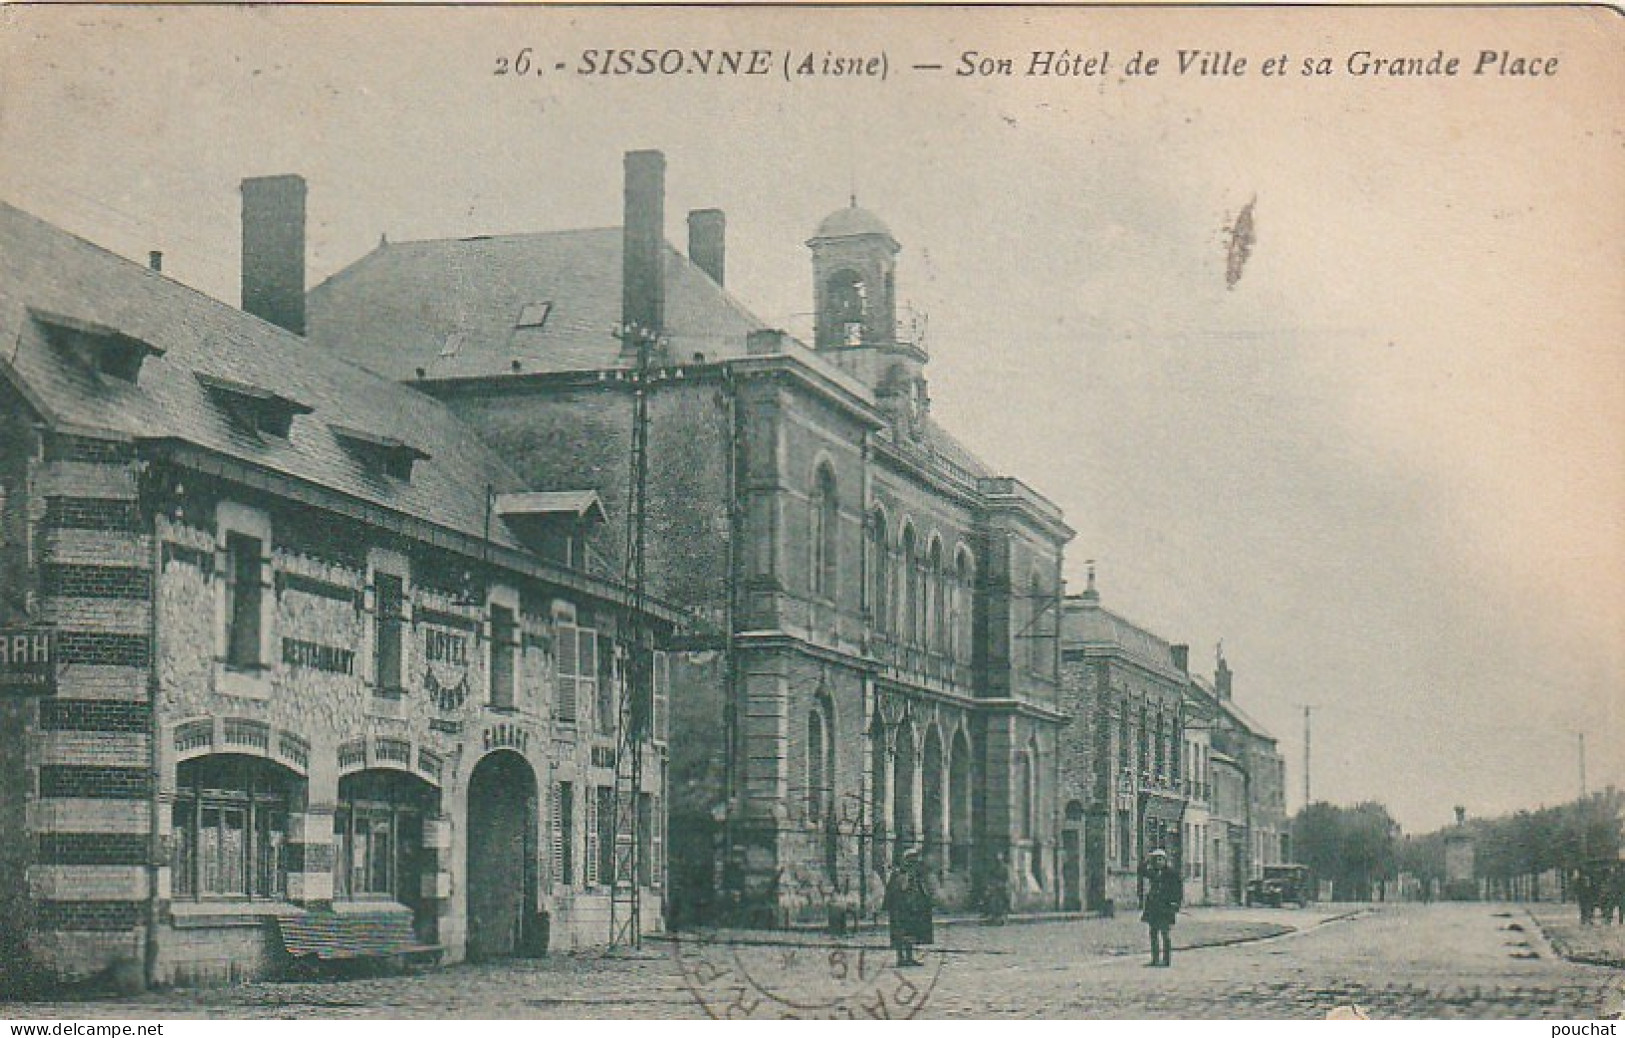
{"x": 1354, "y": 847}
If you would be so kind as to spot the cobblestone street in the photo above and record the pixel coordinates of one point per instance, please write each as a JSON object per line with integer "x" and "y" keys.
{"x": 1452, "y": 961}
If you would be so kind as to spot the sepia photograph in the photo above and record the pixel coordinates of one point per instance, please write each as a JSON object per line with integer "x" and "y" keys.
{"x": 701, "y": 512}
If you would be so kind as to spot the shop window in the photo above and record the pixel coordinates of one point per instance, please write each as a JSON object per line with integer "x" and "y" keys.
{"x": 230, "y": 822}
{"x": 378, "y": 836}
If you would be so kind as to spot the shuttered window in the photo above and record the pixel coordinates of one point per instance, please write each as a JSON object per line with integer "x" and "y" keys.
{"x": 564, "y": 810}
{"x": 565, "y": 703}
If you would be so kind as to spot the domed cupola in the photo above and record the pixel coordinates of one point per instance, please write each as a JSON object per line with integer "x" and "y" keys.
{"x": 855, "y": 299}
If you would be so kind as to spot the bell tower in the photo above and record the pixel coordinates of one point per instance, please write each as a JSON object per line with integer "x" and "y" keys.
{"x": 854, "y": 260}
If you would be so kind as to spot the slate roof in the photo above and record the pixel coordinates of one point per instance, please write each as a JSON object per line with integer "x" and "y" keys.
{"x": 45, "y": 269}
{"x": 1090, "y": 626}
{"x": 1230, "y": 708}
{"x": 453, "y": 306}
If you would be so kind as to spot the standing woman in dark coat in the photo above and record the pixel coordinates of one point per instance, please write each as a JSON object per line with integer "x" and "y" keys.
{"x": 908, "y": 908}
{"x": 1163, "y": 893}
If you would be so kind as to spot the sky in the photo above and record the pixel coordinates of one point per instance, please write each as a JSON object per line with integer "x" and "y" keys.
{"x": 1385, "y": 467}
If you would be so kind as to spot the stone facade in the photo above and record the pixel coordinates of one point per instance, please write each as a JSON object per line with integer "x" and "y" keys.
{"x": 873, "y": 662}
{"x": 1124, "y": 768}
{"x": 276, "y": 694}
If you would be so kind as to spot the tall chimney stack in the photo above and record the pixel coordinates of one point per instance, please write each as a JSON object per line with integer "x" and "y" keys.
{"x": 643, "y": 231}
{"x": 274, "y": 250}
{"x": 155, "y": 261}
{"x": 708, "y": 242}
{"x": 1182, "y": 657}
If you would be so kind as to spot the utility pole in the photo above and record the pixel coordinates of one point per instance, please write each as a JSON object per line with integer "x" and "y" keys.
{"x": 1582, "y": 737}
{"x": 637, "y": 692}
{"x": 1307, "y": 707}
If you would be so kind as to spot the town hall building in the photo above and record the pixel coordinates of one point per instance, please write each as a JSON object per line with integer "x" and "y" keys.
{"x": 871, "y": 658}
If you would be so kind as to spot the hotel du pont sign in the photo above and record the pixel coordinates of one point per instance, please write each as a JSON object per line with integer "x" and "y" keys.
{"x": 27, "y": 661}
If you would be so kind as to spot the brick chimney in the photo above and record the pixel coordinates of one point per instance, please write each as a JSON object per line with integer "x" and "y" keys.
{"x": 708, "y": 242}
{"x": 274, "y": 250}
{"x": 643, "y": 244}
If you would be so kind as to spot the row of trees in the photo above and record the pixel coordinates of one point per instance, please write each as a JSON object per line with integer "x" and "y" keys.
{"x": 1358, "y": 847}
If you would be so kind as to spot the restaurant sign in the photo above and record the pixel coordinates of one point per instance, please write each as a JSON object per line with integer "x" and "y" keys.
{"x": 27, "y": 661}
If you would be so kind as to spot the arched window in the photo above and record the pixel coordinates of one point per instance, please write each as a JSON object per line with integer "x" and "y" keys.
{"x": 959, "y": 801}
{"x": 937, "y": 579}
{"x": 933, "y": 797}
{"x": 905, "y": 778}
{"x": 908, "y": 589}
{"x": 230, "y": 824}
{"x": 819, "y": 748}
{"x": 823, "y": 532}
{"x": 879, "y": 776}
{"x": 847, "y": 298}
{"x": 880, "y": 566}
{"x": 1158, "y": 762}
{"x": 961, "y": 627}
{"x": 378, "y": 835}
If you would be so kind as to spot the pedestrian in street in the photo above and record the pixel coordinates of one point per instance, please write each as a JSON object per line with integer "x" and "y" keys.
{"x": 1611, "y": 896}
{"x": 996, "y": 891}
{"x": 1585, "y": 894}
{"x": 1163, "y": 893}
{"x": 908, "y": 907}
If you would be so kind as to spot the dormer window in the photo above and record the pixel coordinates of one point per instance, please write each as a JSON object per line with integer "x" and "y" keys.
{"x": 252, "y": 409}
{"x": 553, "y": 524}
{"x": 534, "y": 315}
{"x": 381, "y": 454}
{"x": 99, "y": 347}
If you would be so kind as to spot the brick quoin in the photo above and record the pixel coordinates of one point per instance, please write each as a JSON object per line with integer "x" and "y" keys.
{"x": 93, "y": 715}
{"x": 128, "y": 650}
{"x": 97, "y": 916}
{"x": 94, "y": 782}
{"x": 91, "y": 513}
{"x": 77, "y": 581}
{"x": 93, "y": 849}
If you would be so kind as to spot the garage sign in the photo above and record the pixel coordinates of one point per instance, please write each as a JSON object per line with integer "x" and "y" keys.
{"x": 27, "y": 661}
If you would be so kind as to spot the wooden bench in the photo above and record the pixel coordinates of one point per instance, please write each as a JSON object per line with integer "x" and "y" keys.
{"x": 317, "y": 938}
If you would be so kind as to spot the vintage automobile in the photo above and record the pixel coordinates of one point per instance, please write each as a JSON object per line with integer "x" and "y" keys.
{"x": 1282, "y": 884}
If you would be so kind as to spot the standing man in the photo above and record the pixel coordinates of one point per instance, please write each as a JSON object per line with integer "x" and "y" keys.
{"x": 1163, "y": 892}
{"x": 996, "y": 893}
{"x": 908, "y": 908}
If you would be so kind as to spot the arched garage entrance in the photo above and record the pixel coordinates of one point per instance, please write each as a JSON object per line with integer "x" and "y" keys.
{"x": 501, "y": 854}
